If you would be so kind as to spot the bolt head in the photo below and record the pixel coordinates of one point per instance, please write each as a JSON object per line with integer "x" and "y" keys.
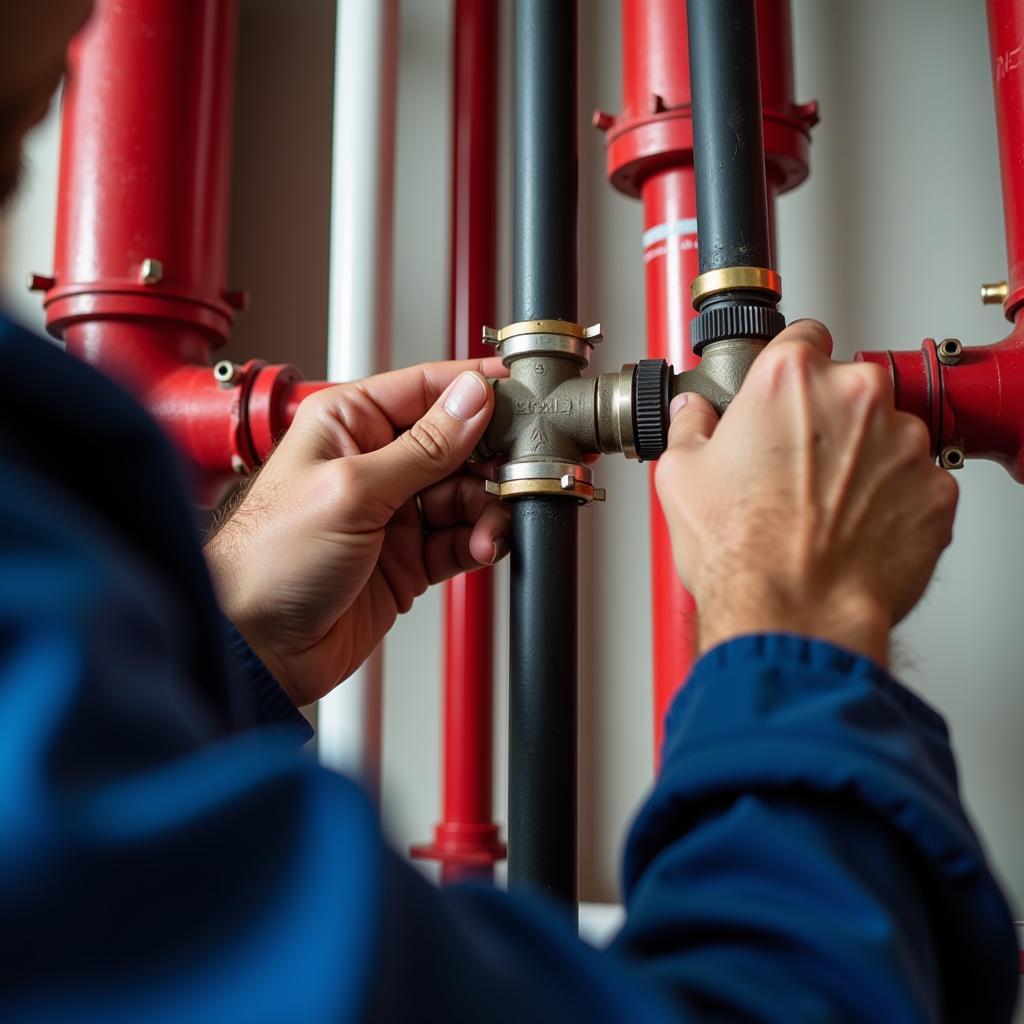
{"x": 952, "y": 457}
{"x": 225, "y": 372}
{"x": 151, "y": 271}
{"x": 949, "y": 351}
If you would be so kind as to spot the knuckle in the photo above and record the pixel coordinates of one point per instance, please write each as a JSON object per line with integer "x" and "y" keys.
{"x": 914, "y": 436}
{"x": 787, "y": 361}
{"x": 345, "y": 484}
{"x": 668, "y": 472}
{"x": 428, "y": 442}
{"x": 866, "y": 381}
{"x": 947, "y": 490}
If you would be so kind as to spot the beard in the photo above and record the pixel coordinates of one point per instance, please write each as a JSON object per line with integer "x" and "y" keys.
{"x": 11, "y": 171}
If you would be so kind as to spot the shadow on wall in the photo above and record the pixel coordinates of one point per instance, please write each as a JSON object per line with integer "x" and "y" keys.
{"x": 280, "y": 197}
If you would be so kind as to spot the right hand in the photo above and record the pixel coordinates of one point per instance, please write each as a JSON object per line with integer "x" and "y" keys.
{"x": 813, "y": 507}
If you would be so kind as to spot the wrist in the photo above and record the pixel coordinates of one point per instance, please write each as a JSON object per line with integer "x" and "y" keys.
{"x": 858, "y": 623}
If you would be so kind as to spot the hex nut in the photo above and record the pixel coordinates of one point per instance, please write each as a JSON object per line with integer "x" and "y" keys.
{"x": 952, "y": 457}
{"x": 226, "y": 372}
{"x": 949, "y": 351}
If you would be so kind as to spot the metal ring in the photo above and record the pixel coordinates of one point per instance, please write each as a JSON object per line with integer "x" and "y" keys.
{"x": 728, "y": 279}
{"x": 563, "y": 327}
{"x": 623, "y": 405}
{"x": 569, "y": 345}
{"x": 544, "y": 471}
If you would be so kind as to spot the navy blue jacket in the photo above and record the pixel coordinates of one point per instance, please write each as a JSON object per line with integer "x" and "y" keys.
{"x": 168, "y": 854}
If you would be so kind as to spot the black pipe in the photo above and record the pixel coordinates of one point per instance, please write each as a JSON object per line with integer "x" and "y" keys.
{"x": 542, "y": 717}
{"x": 728, "y": 158}
{"x": 728, "y": 139}
{"x": 545, "y": 171}
{"x": 543, "y": 658}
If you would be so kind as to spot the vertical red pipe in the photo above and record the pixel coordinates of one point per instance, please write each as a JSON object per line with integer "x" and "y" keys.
{"x": 138, "y": 284}
{"x": 466, "y": 841}
{"x": 1006, "y": 41}
{"x": 650, "y": 156}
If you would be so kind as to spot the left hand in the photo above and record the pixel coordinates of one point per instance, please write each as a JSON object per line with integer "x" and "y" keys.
{"x": 327, "y": 546}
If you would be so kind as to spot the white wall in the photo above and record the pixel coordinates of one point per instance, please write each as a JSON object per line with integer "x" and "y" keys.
{"x": 887, "y": 242}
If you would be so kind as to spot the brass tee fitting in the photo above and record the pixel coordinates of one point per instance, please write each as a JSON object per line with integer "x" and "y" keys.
{"x": 548, "y": 416}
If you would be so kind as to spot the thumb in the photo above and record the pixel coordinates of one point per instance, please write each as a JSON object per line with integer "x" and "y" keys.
{"x": 692, "y": 418}
{"x": 435, "y": 446}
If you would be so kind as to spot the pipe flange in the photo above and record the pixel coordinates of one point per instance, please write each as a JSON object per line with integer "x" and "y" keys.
{"x": 565, "y": 479}
{"x": 731, "y": 279}
{"x": 544, "y": 337}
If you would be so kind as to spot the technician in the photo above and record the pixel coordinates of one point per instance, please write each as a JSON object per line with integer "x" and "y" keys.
{"x": 167, "y": 853}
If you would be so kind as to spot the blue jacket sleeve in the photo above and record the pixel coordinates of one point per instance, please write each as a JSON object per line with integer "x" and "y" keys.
{"x": 167, "y": 854}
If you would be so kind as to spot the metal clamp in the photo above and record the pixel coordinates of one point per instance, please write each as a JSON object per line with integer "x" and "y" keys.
{"x": 566, "y": 479}
{"x": 544, "y": 337}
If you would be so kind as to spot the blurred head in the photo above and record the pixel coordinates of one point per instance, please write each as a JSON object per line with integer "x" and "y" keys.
{"x": 34, "y": 37}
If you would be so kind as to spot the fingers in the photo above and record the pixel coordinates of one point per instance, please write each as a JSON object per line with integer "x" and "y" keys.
{"x": 462, "y": 501}
{"x": 807, "y": 332}
{"x": 450, "y": 552}
{"x": 693, "y": 420}
{"x": 435, "y": 446}
{"x": 406, "y": 395}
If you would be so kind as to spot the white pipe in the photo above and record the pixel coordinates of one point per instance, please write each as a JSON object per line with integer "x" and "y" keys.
{"x": 359, "y": 327}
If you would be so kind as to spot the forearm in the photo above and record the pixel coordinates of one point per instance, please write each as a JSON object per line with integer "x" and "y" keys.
{"x": 805, "y": 855}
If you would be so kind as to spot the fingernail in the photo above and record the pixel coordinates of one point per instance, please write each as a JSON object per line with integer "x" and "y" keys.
{"x": 677, "y": 403}
{"x": 466, "y": 397}
{"x": 499, "y": 548}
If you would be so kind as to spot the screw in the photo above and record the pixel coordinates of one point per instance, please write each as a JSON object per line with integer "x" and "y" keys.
{"x": 226, "y": 372}
{"x": 151, "y": 271}
{"x": 952, "y": 458}
{"x": 567, "y": 482}
{"x": 950, "y": 352}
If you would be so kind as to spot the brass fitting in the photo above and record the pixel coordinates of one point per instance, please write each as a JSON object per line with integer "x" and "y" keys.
{"x": 548, "y": 416}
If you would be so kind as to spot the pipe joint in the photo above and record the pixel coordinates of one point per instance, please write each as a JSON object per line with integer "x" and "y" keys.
{"x": 548, "y": 418}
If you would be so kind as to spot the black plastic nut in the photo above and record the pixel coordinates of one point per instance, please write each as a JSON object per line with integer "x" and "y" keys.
{"x": 650, "y": 408}
{"x": 739, "y": 320}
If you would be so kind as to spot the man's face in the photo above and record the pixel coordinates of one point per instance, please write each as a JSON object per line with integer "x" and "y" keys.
{"x": 34, "y": 36}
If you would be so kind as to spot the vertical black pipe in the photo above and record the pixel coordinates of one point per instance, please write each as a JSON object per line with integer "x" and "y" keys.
{"x": 545, "y": 178}
{"x": 542, "y": 719}
{"x": 544, "y": 599}
{"x": 728, "y": 141}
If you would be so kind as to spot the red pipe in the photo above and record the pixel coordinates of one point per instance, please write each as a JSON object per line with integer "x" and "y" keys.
{"x": 466, "y": 841}
{"x": 141, "y": 247}
{"x": 650, "y": 156}
{"x": 973, "y": 403}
